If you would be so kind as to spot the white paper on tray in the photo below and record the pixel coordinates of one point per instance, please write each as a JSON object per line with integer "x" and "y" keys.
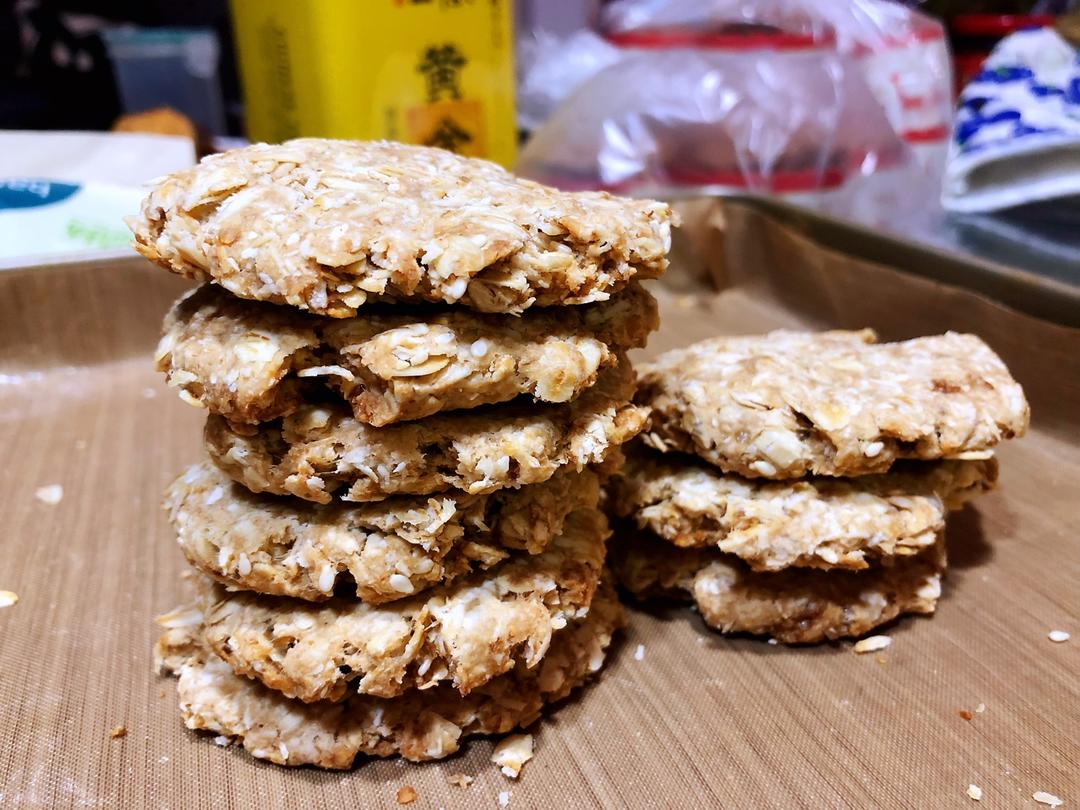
{"x": 63, "y": 195}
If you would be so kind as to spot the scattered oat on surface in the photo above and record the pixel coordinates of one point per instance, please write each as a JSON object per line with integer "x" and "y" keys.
{"x": 504, "y": 798}
{"x": 980, "y": 708}
{"x": 460, "y": 780}
{"x": 117, "y": 732}
{"x": 51, "y": 494}
{"x": 330, "y": 226}
{"x": 639, "y": 653}
{"x": 1058, "y": 636}
{"x": 8, "y": 598}
{"x": 406, "y": 794}
{"x": 974, "y": 792}
{"x": 1049, "y": 799}
{"x": 788, "y": 404}
{"x": 511, "y": 753}
{"x": 221, "y": 741}
{"x": 871, "y": 644}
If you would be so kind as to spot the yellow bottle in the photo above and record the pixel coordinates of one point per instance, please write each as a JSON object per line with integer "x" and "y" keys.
{"x": 435, "y": 72}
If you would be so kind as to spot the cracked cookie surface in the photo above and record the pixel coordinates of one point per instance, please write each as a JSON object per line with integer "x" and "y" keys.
{"x": 253, "y": 362}
{"x": 465, "y": 633}
{"x": 329, "y": 225}
{"x": 844, "y": 523}
{"x": 382, "y": 551}
{"x": 791, "y": 404}
{"x": 795, "y": 606}
{"x": 319, "y": 452}
{"x": 418, "y": 726}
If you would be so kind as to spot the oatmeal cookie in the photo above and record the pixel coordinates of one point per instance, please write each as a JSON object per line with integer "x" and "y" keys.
{"x": 791, "y": 404}
{"x": 795, "y": 606}
{"x": 382, "y": 551}
{"x": 465, "y": 633}
{"x": 418, "y": 726}
{"x": 328, "y": 226}
{"x": 252, "y": 362}
{"x": 808, "y": 522}
{"x": 318, "y": 451}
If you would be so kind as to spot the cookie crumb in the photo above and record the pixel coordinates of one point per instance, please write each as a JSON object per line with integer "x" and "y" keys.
{"x": 965, "y": 714}
{"x": 871, "y": 644}
{"x": 1058, "y": 636}
{"x": 639, "y": 653}
{"x": 460, "y": 780}
{"x": 51, "y": 494}
{"x": 406, "y": 794}
{"x": 881, "y": 659}
{"x": 504, "y": 798}
{"x": 1049, "y": 799}
{"x": 512, "y": 753}
{"x": 974, "y": 792}
{"x": 8, "y": 598}
{"x": 772, "y": 641}
{"x": 221, "y": 741}
{"x": 118, "y": 732}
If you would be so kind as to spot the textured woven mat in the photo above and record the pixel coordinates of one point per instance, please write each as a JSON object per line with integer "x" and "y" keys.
{"x": 693, "y": 720}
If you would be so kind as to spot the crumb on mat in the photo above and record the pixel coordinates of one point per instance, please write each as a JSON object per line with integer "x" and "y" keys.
{"x": 871, "y": 644}
{"x": 1049, "y": 799}
{"x": 51, "y": 494}
{"x": 511, "y": 753}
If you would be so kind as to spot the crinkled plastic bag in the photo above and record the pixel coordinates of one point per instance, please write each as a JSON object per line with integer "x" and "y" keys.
{"x": 835, "y": 103}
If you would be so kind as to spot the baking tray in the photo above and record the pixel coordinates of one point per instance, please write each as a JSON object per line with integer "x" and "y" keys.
{"x": 695, "y": 720}
{"x": 1050, "y": 293}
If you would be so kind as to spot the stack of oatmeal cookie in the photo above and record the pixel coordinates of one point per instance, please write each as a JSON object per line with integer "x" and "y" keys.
{"x": 414, "y": 366}
{"x": 796, "y": 485}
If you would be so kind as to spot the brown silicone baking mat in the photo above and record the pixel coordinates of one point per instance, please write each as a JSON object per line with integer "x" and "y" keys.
{"x": 695, "y": 720}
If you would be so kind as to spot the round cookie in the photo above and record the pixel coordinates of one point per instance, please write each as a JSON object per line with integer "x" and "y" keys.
{"x": 465, "y": 633}
{"x": 318, "y": 452}
{"x": 418, "y": 726}
{"x": 842, "y": 523}
{"x": 795, "y": 606}
{"x": 790, "y": 404}
{"x": 329, "y": 225}
{"x": 252, "y": 362}
{"x": 384, "y": 551}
